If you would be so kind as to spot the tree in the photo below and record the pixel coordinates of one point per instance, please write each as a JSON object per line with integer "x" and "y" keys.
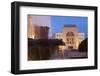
{"x": 83, "y": 47}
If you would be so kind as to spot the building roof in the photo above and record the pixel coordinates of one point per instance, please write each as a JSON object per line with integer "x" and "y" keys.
{"x": 70, "y": 25}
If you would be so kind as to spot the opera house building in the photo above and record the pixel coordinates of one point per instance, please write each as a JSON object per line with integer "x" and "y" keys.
{"x": 70, "y": 36}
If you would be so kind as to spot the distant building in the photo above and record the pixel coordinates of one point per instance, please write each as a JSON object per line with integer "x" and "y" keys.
{"x": 58, "y": 35}
{"x": 71, "y": 37}
{"x": 36, "y": 31}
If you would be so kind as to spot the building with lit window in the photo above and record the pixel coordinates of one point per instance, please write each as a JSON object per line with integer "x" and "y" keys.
{"x": 70, "y": 36}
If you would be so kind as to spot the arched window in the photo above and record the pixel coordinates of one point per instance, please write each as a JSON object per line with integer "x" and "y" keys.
{"x": 70, "y": 34}
{"x": 70, "y": 38}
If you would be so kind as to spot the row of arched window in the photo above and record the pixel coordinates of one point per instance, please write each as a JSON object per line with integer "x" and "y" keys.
{"x": 70, "y": 38}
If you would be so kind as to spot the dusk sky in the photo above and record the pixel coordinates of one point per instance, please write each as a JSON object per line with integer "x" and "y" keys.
{"x": 57, "y": 23}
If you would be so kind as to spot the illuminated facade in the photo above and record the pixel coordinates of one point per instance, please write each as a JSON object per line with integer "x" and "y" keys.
{"x": 58, "y": 35}
{"x": 71, "y": 37}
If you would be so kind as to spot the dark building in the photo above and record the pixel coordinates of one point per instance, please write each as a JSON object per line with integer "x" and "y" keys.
{"x": 42, "y": 49}
{"x": 44, "y": 30}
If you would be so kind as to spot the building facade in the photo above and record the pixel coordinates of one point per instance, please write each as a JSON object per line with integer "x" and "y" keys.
{"x": 70, "y": 36}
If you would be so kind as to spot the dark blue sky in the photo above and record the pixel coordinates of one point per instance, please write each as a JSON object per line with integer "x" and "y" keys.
{"x": 57, "y": 23}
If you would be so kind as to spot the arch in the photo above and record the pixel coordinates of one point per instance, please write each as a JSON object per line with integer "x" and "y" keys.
{"x": 70, "y": 38}
{"x": 70, "y": 34}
